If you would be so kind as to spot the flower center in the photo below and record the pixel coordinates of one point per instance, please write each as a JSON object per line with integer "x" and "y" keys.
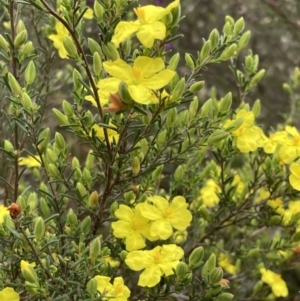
{"x": 136, "y": 224}
{"x": 136, "y": 72}
{"x": 296, "y": 140}
{"x": 156, "y": 257}
{"x": 168, "y": 212}
{"x": 118, "y": 289}
{"x": 139, "y": 11}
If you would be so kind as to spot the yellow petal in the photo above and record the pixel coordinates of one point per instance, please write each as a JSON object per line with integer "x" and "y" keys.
{"x": 124, "y": 30}
{"x": 150, "y": 276}
{"x": 140, "y": 94}
{"x": 119, "y": 69}
{"x": 135, "y": 241}
{"x": 9, "y": 294}
{"x": 159, "y": 80}
{"x": 148, "y": 66}
{"x": 148, "y": 33}
{"x": 162, "y": 228}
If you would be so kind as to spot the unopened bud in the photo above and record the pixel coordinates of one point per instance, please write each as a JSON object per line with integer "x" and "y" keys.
{"x": 110, "y": 51}
{"x": 30, "y": 73}
{"x": 61, "y": 118}
{"x": 16, "y": 88}
{"x": 135, "y": 167}
{"x": 256, "y": 108}
{"x": 181, "y": 269}
{"x": 67, "y": 108}
{"x": 91, "y": 286}
{"x": 239, "y": 25}
{"x": 178, "y": 90}
{"x": 21, "y": 38}
{"x": 70, "y": 47}
{"x": 171, "y": 117}
{"x": 217, "y": 136}
{"x": 97, "y": 63}
{"x": 225, "y": 103}
{"x": 156, "y": 173}
{"x": 8, "y": 146}
{"x": 216, "y": 275}
{"x": 60, "y": 141}
{"x": 228, "y": 52}
{"x": 43, "y": 139}
{"x": 244, "y": 40}
{"x": 224, "y": 297}
{"x": 72, "y": 218}
{"x": 28, "y": 272}
{"x": 94, "y": 46}
{"x": 195, "y": 87}
{"x": 256, "y": 78}
{"x": 4, "y": 44}
{"x": 227, "y": 29}
{"x": 26, "y": 101}
{"x": 195, "y": 259}
{"x": 95, "y": 248}
{"x": 124, "y": 93}
{"x": 214, "y": 38}
{"x": 44, "y": 208}
{"x": 85, "y": 225}
{"x": 161, "y": 138}
{"x": 189, "y": 61}
{"x": 39, "y": 227}
{"x": 93, "y": 199}
{"x": 179, "y": 173}
{"x": 53, "y": 170}
{"x": 205, "y": 51}
{"x": 173, "y": 63}
{"x": 98, "y": 10}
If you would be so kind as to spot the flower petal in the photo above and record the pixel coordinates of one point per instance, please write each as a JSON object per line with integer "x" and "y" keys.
{"x": 158, "y": 80}
{"x": 162, "y": 228}
{"x": 150, "y": 212}
{"x": 9, "y": 294}
{"x": 124, "y": 30}
{"x": 119, "y": 69}
{"x": 135, "y": 241}
{"x": 121, "y": 229}
{"x": 149, "y": 32}
{"x": 150, "y": 276}
{"x": 139, "y": 260}
{"x": 140, "y": 94}
{"x": 148, "y": 66}
{"x": 125, "y": 213}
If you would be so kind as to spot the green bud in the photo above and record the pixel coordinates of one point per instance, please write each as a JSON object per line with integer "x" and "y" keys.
{"x": 32, "y": 288}
{"x": 256, "y": 78}
{"x": 224, "y": 297}
{"x": 43, "y": 139}
{"x": 239, "y": 25}
{"x": 20, "y": 27}
{"x": 257, "y": 287}
{"x": 39, "y": 227}
{"x": 50, "y": 155}
{"x": 256, "y": 108}
{"x": 178, "y": 90}
{"x": 228, "y": 52}
{"x": 214, "y": 39}
{"x": 205, "y": 51}
{"x": 254, "y": 252}
{"x": 97, "y": 63}
{"x": 193, "y": 109}
{"x": 275, "y": 220}
{"x": 179, "y": 173}
{"x": 54, "y": 172}
{"x": 144, "y": 146}
{"x": 15, "y": 87}
{"x": 8, "y": 146}
{"x": 235, "y": 124}
{"x": 81, "y": 189}
{"x": 75, "y": 163}
{"x": 225, "y": 103}
{"x": 181, "y": 269}
{"x": 90, "y": 159}
{"x": 21, "y": 38}
{"x": 197, "y": 86}
{"x": 70, "y": 47}
{"x": 92, "y": 285}
{"x": 217, "y": 136}
{"x": 26, "y": 101}
{"x": 207, "y": 109}
{"x": 173, "y": 62}
{"x": 28, "y": 272}
{"x": 244, "y": 40}
{"x": 255, "y": 63}
{"x": 124, "y": 93}
{"x": 27, "y": 49}
{"x": 93, "y": 199}
{"x": 189, "y": 61}
{"x": 135, "y": 166}
{"x": 110, "y": 51}
{"x": 227, "y": 29}
{"x": 287, "y": 88}
{"x": 30, "y": 73}
{"x": 204, "y": 212}
{"x": 94, "y": 46}
{"x": 195, "y": 259}
{"x": 95, "y": 248}
{"x": 176, "y": 14}
{"x": 44, "y": 208}
{"x": 171, "y": 117}
{"x": 60, "y": 141}
{"x": 76, "y": 77}
{"x": 229, "y": 19}
{"x": 67, "y": 108}
{"x": 215, "y": 275}
{"x": 123, "y": 255}
{"x": 156, "y": 173}
{"x": 161, "y": 138}
{"x": 249, "y": 63}
{"x": 21, "y": 201}
{"x": 3, "y": 44}
{"x": 85, "y": 225}
{"x": 72, "y": 218}
{"x": 61, "y": 118}
{"x": 114, "y": 206}
{"x": 211, "y": 263}
{"x": 98, "y": 10}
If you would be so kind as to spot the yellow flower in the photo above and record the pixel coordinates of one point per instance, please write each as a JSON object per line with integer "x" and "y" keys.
{"x": 61, "y": 33}
{"x": 275, "y": 281}
{"x": 89, "y": 14}
{"x": 9, "y": 294}
{"x": 113, "y": 292}
{"x": 270, "y": 144}
{"x": 248, "y": 136}
{"x": 30, "y": 161}
{"x": 3, "y": 213}
{"x": 145, "y": 75}
{"x": 165, "y": 216}
{"x": 155, "y": 263}
{"x": 112, "y": 134}
{"x": 209, "y": 193}
{"x": 148, "y": 27}
{"x": 294, "y": 177}
{"x": 263, "y": 195}
{"x": 113, "y": 263}
{"x": 132, "y": 226}
{"x": 224, "y": 262}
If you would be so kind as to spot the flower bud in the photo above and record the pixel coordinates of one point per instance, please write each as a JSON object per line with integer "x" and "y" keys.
{"x": 110, "y": 51}
{"x": 53, "y": 170}
{"x": 195, "y": 259}
{"x": 70, "y": 47}
{"x": 161, "y": 138}
{"x": 26, "y": 101}
{"x": 209, "y": 265}
{"x": 114, "y": 206}
{"x": 224, "y": 297}
{"x": 98, "y": 10}
{"x": 244, "y": 40}
{"x": 72, "y": 218}
{"x": 81, "y": 189}
{"x": 179, "y": 173}
{"x": 60, "y": 141}
{"x": 197, "y": 86}
{"x": 61, "y": 118}
{"x": 239, "y": 25}
{"x": 97, "y": 63}
{"x": 39, "y": 228}
{"x": 216, "y": 275}
{"x": 30, "y": 73}
{"x": 44, "y": 208}
{"x": 217, "y": 136}
{"x": 123, "y": 255}
{"x": 229, "y": 19}
{"x": 227, "y": 29}
{"x": 8, "y": 146}
{"x": 95, "y": 248}
{"x": 3, "y": 44}
{"x": 173, "y": 62}
{"x": 257, "y": 287}
{"x": 135, "y": 167}
{"x": 205, "y": 51}
{"x": 94, "y": 46}
{"x": 28, "y": 272}
{"x": 207, "y": 109}
{"x": 32, "y": 288}
{"x": 44, "y": 138}
{"x": 228, "y": 52}
{"x": 20, "y": 26}
{"x": 256, "y": 78}
{"x": 181, "y": 269}
{"x": 178, "y": 90}
{"x": 20, "y": 39}
{"x": 256, "y": 108}
{"x": 171, "y": 117}
{"x": 124, "y": 93}
{"x": 50, "y": 155}
{"x": 67, "y": 108}
{"x": 27, "y": 50}
{"x": 234, "y": 125}
{"x": 15, "y": 87}
{"x": 156, "y": 173}
{"x": 225, "y": 103}
{"x": 214, "y": 39}
{"x": 189, "y": 61}
{"x": 85, "y": 225}
{"x": 91, "y": 286}
{"x": 93, "y": 199}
